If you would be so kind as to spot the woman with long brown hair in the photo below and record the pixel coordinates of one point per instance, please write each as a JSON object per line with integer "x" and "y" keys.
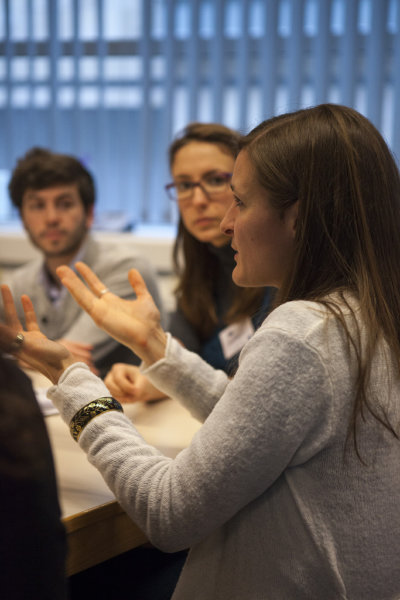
{"x": 291, "y": 487}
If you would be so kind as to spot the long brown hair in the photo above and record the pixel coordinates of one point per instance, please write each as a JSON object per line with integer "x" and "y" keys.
{"x": 195, "y": 264}
{"x": 335, "y": 163}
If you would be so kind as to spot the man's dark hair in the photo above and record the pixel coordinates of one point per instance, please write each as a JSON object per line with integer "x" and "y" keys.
{"x": 40, "y": 169}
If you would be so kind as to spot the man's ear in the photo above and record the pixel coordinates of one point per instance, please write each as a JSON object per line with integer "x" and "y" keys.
{"x": 21, "y": 216}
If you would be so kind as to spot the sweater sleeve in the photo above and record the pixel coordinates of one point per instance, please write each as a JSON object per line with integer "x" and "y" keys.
{"x": 196, "y": 384}
{"x": 275, "y": 413}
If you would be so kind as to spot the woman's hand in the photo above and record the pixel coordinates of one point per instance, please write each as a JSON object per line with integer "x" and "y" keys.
{"x": 127, "y": 384}
{"x": 134, "y": 323}
{"x": 81, "y": 352}
{"x": 50, "y": 358}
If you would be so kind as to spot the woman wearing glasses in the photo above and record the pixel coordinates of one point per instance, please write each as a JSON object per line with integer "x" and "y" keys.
{"x": 214, "y": 317}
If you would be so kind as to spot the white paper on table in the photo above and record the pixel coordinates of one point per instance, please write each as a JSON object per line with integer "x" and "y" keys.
{"x": 46, "y": 405}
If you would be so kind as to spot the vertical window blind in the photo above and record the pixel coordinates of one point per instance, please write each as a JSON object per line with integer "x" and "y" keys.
{"x": 111, "y": 81}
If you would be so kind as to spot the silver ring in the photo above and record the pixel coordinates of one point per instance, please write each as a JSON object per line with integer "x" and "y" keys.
{"x": 19, "y": 339}
{"x": 103, "y": 291}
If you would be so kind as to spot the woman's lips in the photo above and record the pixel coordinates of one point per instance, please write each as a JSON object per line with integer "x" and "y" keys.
{"x": 204, "y": 221}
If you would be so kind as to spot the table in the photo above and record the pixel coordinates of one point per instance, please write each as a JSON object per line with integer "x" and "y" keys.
{"x": 97, "y": 527}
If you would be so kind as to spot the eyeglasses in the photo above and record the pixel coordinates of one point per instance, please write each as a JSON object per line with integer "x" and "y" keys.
{"x": 211, "y": 184}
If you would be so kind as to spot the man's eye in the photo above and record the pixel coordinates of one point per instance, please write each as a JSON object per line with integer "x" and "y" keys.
{"x": 65, "y": 205}
{"x": 35, "y": 206}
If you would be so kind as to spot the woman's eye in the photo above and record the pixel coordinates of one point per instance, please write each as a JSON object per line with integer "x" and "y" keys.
{"x": 216, "y": 180}
{"x": 183, "y": 186}
{"x": 237, "y": 200}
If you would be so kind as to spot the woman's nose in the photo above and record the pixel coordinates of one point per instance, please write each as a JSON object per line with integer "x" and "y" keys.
{"x": 227, "y": 222}
{"x": 200, "y": 196}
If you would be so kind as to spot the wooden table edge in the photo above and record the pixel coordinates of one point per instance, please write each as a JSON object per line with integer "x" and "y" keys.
{"x": 95, "y": 535}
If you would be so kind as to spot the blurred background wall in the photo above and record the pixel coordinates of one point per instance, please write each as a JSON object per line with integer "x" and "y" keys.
{"x": 112, "y": 81}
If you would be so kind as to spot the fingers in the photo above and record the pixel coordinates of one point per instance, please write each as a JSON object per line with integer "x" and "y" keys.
{"x": 122, "y": 378}
{"x": 96, "y": 286}
{"x": 91, "y": 279}
{"x": 10, "y": 312}
{"x": 7, "y": 337}
{"x": 30, "y": 315}
{"x": 81, "y": 293}
{"x": 138, "y": 284}
{"x": 116, "y": 391}
{"x": 78, "y": 290}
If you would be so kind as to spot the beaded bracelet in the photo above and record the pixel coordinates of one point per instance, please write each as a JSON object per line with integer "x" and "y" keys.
{"x": 88, "y": 412}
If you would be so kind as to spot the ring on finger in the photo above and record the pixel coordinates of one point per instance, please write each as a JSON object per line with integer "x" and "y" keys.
{"x": 103, "y": 291}
{"x": 19, "y": 340}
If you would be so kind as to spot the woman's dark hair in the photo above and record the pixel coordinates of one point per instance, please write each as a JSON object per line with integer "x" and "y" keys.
{"x": 336, "y": 165}
{"x": 40, "y": 169}
{"x": 195, "y": 264}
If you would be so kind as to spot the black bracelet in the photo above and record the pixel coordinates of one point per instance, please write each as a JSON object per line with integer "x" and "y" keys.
{"x": 88, "y": 412}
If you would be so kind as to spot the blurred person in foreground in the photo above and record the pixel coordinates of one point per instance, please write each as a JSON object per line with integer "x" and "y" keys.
{"x": 32, "y": 537}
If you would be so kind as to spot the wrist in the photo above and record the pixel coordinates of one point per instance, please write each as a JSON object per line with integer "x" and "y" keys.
{"x": 55, "y": 374}
{"x": 153, "y": 347}
{"x": 76, "y": 387}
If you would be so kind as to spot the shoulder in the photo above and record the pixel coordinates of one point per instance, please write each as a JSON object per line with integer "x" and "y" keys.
{"x": 306, "y": 327}
{"x": 292, "y": 348}
{"x": 26, "y": 274}
{"x": 298, "y": 317}
{"x": 105, "y": 256}
{"x": 298, "y": 324}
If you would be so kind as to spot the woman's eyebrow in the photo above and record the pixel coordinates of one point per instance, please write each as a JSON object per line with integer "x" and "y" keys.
{"x": 205, "y": 174}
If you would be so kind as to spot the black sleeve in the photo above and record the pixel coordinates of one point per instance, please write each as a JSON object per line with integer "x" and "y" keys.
{"x": 32, "y": 537}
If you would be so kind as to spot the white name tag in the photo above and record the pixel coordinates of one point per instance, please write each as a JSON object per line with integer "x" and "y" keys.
{"x": 234, "y": 337}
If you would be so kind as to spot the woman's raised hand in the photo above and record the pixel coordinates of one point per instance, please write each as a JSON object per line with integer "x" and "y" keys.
{"x": 33, "y": 348}
{"x": 134, "y": 323}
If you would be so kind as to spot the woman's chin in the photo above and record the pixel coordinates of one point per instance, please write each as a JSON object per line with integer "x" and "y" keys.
{"x": 238, "y": 279}
{"x": 215, "y": 238}
{"x": 241, "y": 280}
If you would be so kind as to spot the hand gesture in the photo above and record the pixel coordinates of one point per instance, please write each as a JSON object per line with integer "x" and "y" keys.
{"x": 134, "y": 323}
{"x": 127, "y": 384}
{"x": 50, "y": 358}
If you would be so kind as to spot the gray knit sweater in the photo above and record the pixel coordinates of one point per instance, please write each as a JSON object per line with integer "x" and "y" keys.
{"x": 266, "y": 496}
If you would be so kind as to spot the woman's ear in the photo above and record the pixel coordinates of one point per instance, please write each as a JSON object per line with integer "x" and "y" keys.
{"x": 291, "y": 215}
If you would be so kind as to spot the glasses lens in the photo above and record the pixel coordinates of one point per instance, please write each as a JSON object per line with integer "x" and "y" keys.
{"x": 217, "y": 182}
{"x": 181, "y": 189}
{"x": 211, "y": 184}
{"x": 171, "y": 191}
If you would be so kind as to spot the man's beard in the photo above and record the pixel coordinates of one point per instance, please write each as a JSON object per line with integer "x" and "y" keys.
{"x": 72, "y": 246}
